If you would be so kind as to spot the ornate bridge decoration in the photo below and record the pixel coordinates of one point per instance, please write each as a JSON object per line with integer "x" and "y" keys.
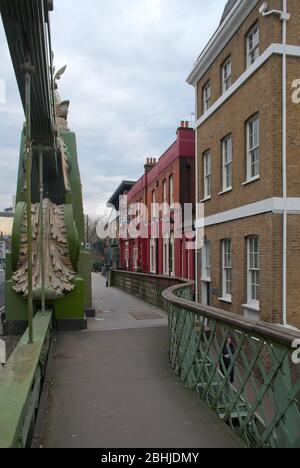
{"x": 49, "y": 267}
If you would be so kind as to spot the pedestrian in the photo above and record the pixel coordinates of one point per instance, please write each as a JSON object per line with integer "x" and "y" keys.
{"x": 227, "y": 355}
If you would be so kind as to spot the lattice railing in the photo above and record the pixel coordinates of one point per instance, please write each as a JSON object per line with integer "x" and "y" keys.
{"x": 149, "y": 288}
{"x": 256, "y": 388}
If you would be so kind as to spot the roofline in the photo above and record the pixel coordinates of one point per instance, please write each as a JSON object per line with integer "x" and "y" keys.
{"x": 221, "y": 37}
{"x": 119, "y": 189}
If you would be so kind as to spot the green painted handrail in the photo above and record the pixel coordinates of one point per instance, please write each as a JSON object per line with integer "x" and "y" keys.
{"x": 257, "y": 390}
{"x": 262, "y": 404}
{"x": 20, "y": 384}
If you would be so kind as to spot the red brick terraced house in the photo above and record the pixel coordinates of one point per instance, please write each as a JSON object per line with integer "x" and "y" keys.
{"x": 169, "y": 180}
{"x": 248, "y": 162}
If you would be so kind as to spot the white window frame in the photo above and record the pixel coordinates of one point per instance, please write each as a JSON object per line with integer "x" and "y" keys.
{"x": 135, "y": 258}
{"x": 253, "y": 45}
{"x": 207, "y": 96}
{"x": 166, "y": 243}
{"x": 153, "y": 206}
{"x": 171, "y": 191}
{"x": 126, "y": 255}
{"x": 253, "y": 271}
{"x": 227, "y": 163}
{"x": 165, "y": 192}
{"x": 207, "y": 174}
{"x": 153, "y": 255}
{"x": 172, "y": 256}
{"x": 206, "y": 261}
{"x": 253, "y": 148}
{"x": 227, "y": 269}
{"x": 226, "y": 75}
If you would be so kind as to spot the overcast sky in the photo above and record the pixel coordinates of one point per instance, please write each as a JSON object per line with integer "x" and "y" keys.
{"x": 128, "y": 61}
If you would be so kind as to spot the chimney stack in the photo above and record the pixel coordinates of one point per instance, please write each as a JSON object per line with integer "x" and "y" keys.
{"x": 150, "y": 163}
{"x": 184, "y": 124}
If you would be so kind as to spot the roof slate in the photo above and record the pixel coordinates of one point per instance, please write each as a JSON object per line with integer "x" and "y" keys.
{"x": 228, "y": 7}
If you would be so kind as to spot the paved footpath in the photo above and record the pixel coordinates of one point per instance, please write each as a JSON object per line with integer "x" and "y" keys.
{"x": 112, "y": 386}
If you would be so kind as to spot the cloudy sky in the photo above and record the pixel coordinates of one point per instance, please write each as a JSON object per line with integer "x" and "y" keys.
{"x": 128, "y": 61}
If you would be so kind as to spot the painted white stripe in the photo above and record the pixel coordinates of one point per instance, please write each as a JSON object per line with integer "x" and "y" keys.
{"x": 273, "y": 49}
{"x": 270, "y": 205}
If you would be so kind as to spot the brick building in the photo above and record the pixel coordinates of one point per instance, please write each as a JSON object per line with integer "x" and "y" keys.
{"x": 169, "y": 180}
{"x": 112, "y": 247}
{"x": 247, "y": 164}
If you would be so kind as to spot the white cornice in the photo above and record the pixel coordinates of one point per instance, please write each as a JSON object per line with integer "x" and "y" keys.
{"x": 293, "y": 51}
{"x": 220, "y": 39}
{"x": 270, "y": 205}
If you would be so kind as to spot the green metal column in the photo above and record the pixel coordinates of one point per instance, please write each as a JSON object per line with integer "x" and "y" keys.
{"x": 28, "y": 154}
{"x": 42, "y": 266}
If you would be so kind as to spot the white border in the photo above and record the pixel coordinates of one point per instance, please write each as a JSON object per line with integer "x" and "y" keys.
{"x": 270, "y": 205}
{"x": 220, "y": 39}
{"x": 273, "y": 49}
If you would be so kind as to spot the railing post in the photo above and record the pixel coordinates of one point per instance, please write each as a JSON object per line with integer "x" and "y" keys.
{"x": 42, "y": 250}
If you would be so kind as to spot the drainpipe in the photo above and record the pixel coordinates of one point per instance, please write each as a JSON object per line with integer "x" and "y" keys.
{"x": 196, "y": 200}
{"x": 284, "y": 166}
{"x": 284, "y": 17}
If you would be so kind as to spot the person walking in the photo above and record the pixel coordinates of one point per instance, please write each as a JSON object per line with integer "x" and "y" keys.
{"x": 227, "y": 355}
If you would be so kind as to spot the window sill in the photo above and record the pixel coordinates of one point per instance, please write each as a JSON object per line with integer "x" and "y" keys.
{"x": 254, "y": 179}
{"x": 206, "y": 279}
{"x": 205, "y": 199}
{"x": 251, "y": 312}
{"x": 225, "y": 191}
{"x": 225, "y": 299}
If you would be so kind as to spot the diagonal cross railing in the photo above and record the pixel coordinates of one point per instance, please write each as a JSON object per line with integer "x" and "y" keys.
{"x": 256, "y": 390}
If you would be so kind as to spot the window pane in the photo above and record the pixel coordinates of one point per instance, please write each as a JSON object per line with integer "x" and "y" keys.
{"x": 207, "y": 96}
{"x": 207, "y": 174}
{"x": 253, "y": 148}
{"x": 254, "y": 273}
{"x": 227, "y": 163}
{"x": 227, "y": 273}
{"x": 226, "y": 72}
{"x": 253, "y": 45}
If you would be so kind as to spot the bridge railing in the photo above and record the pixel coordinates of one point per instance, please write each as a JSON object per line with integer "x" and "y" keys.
{"x": 256, "y": 388}
{"x": 21, "y": 383}
{"x": 149, "y": 288}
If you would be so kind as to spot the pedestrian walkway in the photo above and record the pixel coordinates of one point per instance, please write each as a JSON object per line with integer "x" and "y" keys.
{"x": 112, "y": 386}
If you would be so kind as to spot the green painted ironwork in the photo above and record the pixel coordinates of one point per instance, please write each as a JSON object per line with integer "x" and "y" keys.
{"x": 21, "y": 382}
{"x": 49, "y": 153}
{"x": 263, "y": 403}
{"x": 28, "y": 69}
